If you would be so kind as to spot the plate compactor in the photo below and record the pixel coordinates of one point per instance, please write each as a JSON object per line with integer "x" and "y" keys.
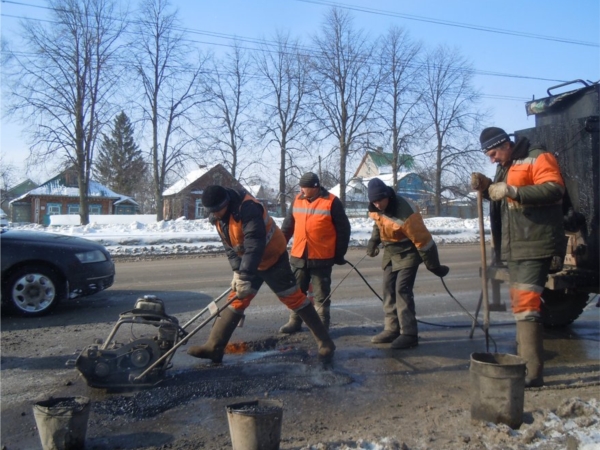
{"x": 143, "y": 361}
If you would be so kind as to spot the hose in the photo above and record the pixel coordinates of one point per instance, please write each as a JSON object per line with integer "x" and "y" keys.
{"x": 429, "y": 323}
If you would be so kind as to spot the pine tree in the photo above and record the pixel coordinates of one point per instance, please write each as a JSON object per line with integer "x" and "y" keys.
{"x": 120, "y": 164}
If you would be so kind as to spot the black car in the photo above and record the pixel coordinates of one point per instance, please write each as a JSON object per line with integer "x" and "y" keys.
{"x": 40, "y": 269}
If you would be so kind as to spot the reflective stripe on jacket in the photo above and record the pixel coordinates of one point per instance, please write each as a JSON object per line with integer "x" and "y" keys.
{"x": 275, "y": 243}
{"x": 314, "y": 231}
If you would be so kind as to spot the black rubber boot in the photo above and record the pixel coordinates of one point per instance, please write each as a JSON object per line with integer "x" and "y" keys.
{"x": 405, "y": 341}
{"x": 221, "y": 332}
{"x": 326, "y": 346}
{"x": 293, "y": 325}
{"x": 530, "y": 348}
{"x": 385, "y": 337}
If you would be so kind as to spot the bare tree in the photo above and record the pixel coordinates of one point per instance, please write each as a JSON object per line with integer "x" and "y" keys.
{"x": 229, "y": 108}
{"x": 63, "y": 80}
{"x": 400, "y": 95}
{"x": 171, "y": 88}
{"x": 285, "y": 70}
{"x": 345, "y": 84}
{"x": 450, "y": 105}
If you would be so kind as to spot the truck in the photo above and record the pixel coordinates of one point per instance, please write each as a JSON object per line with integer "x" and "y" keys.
{"x": 567, "y": 124}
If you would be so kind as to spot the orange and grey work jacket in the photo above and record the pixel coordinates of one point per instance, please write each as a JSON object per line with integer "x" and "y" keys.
{"x": 401, "y": 230}
{"x": 252, "y": 239}
{"x": 532, "y": 224}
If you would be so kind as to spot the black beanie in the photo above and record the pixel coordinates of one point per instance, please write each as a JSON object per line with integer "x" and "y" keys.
{"x": 309, "y": 180}
{"x": 377, "y": 190}
{"x": 492, "y": 137}
{"x": 215, "y": 198}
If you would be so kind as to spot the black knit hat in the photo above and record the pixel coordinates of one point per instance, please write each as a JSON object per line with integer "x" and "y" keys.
{"x": 492, "y": 137}
{"x": 215, "y": 198}
{"x": 377, "y": 190}
{"x": 309, "y": 180}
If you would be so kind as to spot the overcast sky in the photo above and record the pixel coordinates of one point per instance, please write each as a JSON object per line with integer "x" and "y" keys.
{"x": 518, "y": 48}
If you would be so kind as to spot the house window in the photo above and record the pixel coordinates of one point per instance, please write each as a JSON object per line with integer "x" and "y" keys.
{"x": 73, "y": 208}
{"x": 200, "y": 212}
{"x": 53, "y": 209}
{"x": 95, "y": 209}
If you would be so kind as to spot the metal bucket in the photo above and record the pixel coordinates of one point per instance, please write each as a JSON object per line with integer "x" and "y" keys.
{"x": 497, "y": 388}
{"x": 62, "y": 422}
{"x": 255, "y": 425}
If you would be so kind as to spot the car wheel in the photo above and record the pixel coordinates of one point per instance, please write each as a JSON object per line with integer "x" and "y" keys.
{"x": 33, "y": 290}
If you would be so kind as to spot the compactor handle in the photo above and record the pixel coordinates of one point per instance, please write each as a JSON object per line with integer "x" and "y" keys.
{"x": 565, "y": 84}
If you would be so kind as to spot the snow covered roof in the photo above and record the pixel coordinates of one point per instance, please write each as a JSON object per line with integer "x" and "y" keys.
{"x": 186, "y": 181}
{"x": 254, "y": 189}
{"x": 57, "y": 189}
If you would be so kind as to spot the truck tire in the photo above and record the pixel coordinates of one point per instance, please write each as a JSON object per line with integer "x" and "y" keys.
{"x": 560, "y": 308}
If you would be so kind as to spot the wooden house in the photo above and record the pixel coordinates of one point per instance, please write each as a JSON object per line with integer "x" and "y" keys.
{"x": 60, "y": 195}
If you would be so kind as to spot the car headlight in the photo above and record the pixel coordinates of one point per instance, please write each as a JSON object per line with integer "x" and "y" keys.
{"x": 91, "y": 257}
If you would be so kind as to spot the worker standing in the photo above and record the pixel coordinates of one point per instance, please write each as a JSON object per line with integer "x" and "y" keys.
{"x": 527, "y": 223}
{"x": 321, "y": 230}
{"x": 407, "y": 242}
{"x": 257, "y": 253}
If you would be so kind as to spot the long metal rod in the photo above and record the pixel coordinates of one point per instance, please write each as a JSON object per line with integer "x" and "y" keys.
{"x": 484, "y": 278}
{"x": 188, "y": 336}
{"x": 193, "y": 319}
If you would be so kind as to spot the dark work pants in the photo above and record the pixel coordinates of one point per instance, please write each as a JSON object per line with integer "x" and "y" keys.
{"x": 320, "y": 277}
{"x": 399, "y": 300}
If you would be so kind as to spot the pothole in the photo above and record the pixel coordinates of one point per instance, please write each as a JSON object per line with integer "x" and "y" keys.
{"x": 248, "y": 369}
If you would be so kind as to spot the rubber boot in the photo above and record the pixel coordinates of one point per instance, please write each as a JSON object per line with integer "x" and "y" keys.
{"x": 310, "y": 317}
{"x": 293, "y": 325}
{"x": 391, "y": 330}
{"x": 221, "y": 332}
{"x": 325, "y": 315}
{"x": 531, "y": 348}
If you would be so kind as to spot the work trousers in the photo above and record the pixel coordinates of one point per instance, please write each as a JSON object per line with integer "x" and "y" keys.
{"x": 527, "y": 281}
{"x": 280, "y": 278}
{"x": 320, "y": 278}
{"x": 399, "y": 300}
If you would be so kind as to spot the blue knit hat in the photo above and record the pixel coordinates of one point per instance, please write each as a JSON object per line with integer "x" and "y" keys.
{"x": 377, "y": 190}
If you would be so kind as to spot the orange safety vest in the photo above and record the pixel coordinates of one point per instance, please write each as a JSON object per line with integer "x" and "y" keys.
{"x": 313, "y": 228}
{"x": 275, "y": 240}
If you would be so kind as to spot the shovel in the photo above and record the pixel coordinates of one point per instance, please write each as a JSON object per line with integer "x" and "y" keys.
{"x": 484, "y": 278}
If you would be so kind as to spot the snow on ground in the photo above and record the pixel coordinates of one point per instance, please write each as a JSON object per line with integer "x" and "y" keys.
{"x": 131, "y": 236}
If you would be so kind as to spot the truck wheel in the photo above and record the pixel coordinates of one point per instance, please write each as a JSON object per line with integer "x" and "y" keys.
{"x": 560, "y": 308}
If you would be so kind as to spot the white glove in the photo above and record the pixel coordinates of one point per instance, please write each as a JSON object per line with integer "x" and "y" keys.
{"x": 236, "y": 276}
{"x": 498, "y": 191}
{"x": 243, "y": 288}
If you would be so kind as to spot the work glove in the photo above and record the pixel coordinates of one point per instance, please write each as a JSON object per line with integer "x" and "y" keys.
{"x": 372, "y": 249}
{"x": 243, "y": 288}
{"x": 441, "y": 271}
{"x": 431, "y": 258}
{"x": 479, "y": 182}
{"x": 498, "y": 191}
{"x": 339, "y": 260}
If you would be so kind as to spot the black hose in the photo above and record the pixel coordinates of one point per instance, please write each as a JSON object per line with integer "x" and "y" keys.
{"x": 429, "y": 323}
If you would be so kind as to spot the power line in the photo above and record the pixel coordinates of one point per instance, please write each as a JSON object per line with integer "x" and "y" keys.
{"x": 451, "y": 24}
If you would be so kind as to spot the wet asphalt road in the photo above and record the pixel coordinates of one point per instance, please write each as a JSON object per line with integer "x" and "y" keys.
{"x": 284, "y": 366}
